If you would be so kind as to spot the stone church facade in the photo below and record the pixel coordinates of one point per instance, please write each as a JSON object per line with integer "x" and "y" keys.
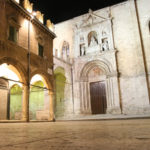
{"x": 104, "y": 58}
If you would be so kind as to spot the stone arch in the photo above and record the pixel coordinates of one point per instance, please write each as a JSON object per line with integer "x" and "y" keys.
{"x": 17, "y": 67}
{"x": 92, "y": 34}
{"x": 46, "y": 78}
{"x": 45, "y": 99}
{"x": 104, "y": 65}
{"x": 108, "y": 78}
{"x": 59, "y": 70}
{"x": 60, "y": 91}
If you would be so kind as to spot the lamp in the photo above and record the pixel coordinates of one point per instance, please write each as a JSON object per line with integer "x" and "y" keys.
{"x": 18, "y": 1}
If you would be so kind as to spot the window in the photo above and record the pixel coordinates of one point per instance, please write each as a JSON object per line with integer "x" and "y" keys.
{"x": 12, "y": 34}
{"x": 65, "y": 50}
{"x": 40, "y": 50}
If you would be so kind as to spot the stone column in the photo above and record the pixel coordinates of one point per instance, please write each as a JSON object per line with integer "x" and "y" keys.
{"x": 51, "y": 107}
{"x": 88, "y": 99}
{"x": 81, "y": 97}
{"x": 113, "y": 98}
{"x": 25, "y": 104}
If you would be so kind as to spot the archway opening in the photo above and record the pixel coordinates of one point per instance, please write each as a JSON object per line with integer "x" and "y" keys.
{"x": 39, "y": 99}
{"x": 60, "y": 83}
{"x": 97, "y": 87}
{"x": 15, "y": 102}
{"x": 94, "y": 88}
{"x": 10, "y": 93}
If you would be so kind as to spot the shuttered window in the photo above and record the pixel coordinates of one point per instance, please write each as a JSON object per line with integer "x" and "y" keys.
{"x": 40, "y": 50}
{"x": 12, "y": 34}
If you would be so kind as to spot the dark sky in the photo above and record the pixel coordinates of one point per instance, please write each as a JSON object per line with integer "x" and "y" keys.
{"x": 61, "y": 10}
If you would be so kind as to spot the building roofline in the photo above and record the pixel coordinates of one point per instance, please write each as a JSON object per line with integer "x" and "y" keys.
{"x": 35, "y": 19}
{"x": 111, "y": 6}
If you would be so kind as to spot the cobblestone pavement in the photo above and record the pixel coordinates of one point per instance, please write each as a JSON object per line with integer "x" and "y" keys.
{"x": 76, "y": 135}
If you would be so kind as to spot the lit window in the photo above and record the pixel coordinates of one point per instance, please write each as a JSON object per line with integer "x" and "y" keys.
{"x": 12, "y": 34}
{"x": 40, "y": 50}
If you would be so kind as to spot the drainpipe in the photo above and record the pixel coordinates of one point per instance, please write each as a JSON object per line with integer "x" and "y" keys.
{"x": 142, "y": 46}
{"x": 72, "y": 88}
{"x": 8, "y": 104}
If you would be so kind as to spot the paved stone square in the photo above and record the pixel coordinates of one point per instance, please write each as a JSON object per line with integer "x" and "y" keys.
{"x": 76, "y": 135}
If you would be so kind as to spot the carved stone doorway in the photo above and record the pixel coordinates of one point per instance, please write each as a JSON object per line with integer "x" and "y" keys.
{"x": 99, "y": 89}
{"x": 98, "y": 98}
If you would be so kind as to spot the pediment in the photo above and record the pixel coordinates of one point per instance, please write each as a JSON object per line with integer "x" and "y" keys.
{"x": 12, "y": 20}
{"x": 90, "y": 19}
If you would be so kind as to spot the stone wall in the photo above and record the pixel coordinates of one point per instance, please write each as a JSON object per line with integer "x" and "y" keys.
{"x": 4, "y": 103}
{"x": 63, "y": 107}
{"x": 130, "y": 59}
{"x": 144, "y": 19}
{"x": 16, "y": 53}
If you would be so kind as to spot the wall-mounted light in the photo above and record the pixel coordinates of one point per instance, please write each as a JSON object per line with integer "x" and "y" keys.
{"x": 33, "y": 14}
{"x": 18, "y": 1}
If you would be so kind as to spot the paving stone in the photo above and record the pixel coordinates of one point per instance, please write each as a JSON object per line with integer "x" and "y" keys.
{"x": 77, "y": 135}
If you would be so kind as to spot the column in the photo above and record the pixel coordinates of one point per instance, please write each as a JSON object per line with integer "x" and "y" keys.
{"x": 82, "y": 96}
{"x": 88, "y": 99}
{"x": 25, "y": 104}
{"x": 51, "y": 107}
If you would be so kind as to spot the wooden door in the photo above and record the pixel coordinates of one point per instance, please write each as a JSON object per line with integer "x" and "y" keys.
{"x": 98, "y": 97}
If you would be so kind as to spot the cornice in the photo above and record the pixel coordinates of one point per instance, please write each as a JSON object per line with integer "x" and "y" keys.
{"x": 35, "y": 21}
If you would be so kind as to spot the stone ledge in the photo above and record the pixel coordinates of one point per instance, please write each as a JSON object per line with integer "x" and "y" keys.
{"x": 104, "y": 117}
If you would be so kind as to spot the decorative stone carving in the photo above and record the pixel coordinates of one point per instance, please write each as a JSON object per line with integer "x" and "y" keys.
{"x": 50, "y": 25}
{"x": 96, "y": 35}
{"x": 93, "y": 41}
{"x": 81, "y": 39}
{"x": 96, "y": 71}
{"x": 90, "y": 19}
{"x": 104, "y": 33}
{"x": 39, "y": 16}
{"x": 65, "y": 50}
{"x": 105, "y": 45}
{"x": 92, "y": 38}
{"x": 82, "y": 50}
{"x": 28, "y": 6}
{"x": 12, "y": 20}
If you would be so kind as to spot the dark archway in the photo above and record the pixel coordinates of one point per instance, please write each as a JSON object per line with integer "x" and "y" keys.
{"x": 60, "y": 81}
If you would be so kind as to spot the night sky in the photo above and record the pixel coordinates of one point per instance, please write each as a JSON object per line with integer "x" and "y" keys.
{"x": 61, "y": 10}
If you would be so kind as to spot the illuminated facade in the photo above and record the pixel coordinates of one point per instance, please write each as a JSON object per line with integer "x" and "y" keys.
{"x": 26, "y": 63}
{"x": 106, "y": 63}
